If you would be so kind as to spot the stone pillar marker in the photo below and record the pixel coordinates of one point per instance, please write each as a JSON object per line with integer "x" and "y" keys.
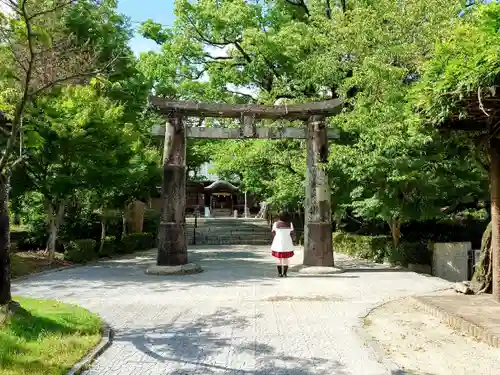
{"x": 172, "y": 243}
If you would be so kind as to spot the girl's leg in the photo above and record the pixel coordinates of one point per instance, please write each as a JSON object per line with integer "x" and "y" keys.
{"x": 286, "y": 263}
{"x": 280, "y": 266}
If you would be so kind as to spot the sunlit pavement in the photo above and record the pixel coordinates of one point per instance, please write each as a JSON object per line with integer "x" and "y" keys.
{"x": 236, "y": 317}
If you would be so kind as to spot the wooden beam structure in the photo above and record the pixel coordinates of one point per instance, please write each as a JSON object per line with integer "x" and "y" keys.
{"x": 240, "y": 133}
{"x": 257, "y": 111}
{"x": 318, "y": 250}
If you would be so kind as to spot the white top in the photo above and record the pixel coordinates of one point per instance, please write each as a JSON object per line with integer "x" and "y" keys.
{"x": 282, "y": 241}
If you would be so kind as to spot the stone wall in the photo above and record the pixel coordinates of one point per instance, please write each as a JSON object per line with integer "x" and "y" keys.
{"x": 450, "y": 260}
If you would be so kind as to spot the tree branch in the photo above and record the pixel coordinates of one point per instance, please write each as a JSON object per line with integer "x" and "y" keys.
{"x": 328, "y": 10}
{"x": 242, "y": 51}
{"x": 299, "y": 3}
{"x": 343, "y": 4}
{"x": 288, "y": 167}
{"x": 481, "y": 106}
{"x": 73, "y": 76}
{"x": 16, "y": 123}
{"x": 241, "y": 94}
{"x": 18, "y": 161}
{"x": 205, "y": 39}
{"x": 46, "y": 11}
{"x": 215, "y": 58}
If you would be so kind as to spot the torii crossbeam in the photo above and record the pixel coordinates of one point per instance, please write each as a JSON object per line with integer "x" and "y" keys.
{"x": 172, "y": 245}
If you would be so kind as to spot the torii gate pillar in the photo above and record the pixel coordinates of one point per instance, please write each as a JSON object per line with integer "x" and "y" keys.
{"x": 172, "y": 247}
{"x": 318, "y": 249}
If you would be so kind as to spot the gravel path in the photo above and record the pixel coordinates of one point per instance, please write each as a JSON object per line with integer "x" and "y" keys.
{"x": 236, "y": 317}
{"x": 424, "y": 345}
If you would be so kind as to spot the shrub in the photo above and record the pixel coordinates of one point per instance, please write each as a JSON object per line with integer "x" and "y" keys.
{"x": 151, "y": 221}
{"x": 366, "y": 247}
{"x": 80, "y": 251}
{"x": 137, "y": 241}
{"x": 411, "y": 252}
{"x": 380, "y": 248}
{"x": 109, "y": 247}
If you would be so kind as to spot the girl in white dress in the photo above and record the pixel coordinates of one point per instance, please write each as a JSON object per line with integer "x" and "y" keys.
{"x": 282, "y": 247}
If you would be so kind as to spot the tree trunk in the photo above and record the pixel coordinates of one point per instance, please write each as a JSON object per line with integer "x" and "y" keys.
{"x": 5, "y": 296}
{"x": 395, "y": 225}
{"x": 495, "y": 215}
{"x": 103, "y": 233}
{"x": 124, "y": 220}
{"x": 55, "y": 219}
{"x": 482, "y": 278}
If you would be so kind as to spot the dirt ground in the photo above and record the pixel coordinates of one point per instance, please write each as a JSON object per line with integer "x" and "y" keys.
{"x": 423, "y": 345}
{"x": 29, "y": 262}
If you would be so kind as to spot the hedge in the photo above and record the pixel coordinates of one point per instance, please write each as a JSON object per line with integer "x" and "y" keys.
{"x": 380, "y": 248}
{"x": 137, "y": 241}
{"x": 410, "y": 252}
{"x": 109, "y": 247}
{"x": 80, "y": 251}
{"x": 366, "y": 247}
{"x": 151, "y": 221}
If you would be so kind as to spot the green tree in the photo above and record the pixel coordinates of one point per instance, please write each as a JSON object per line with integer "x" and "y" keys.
{"x": 274, "y": 170}
{"x": 394, "y": 170}
{"x": 76, "y": 139}
{"x": 459, "y": 90}
{"x": 216, "y": 49}
{"x": 41, "y": 49}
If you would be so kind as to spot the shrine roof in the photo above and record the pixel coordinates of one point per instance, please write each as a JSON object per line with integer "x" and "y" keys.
{"x": 221, "y": 186}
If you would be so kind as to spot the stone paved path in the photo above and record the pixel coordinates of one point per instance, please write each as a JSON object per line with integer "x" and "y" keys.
{"x": 235, "y": 318}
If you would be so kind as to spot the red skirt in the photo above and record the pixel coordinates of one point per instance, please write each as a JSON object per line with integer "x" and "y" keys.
{"x": 281, "y": 255}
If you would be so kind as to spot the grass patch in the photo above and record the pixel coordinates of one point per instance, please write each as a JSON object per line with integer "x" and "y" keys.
{"x": 46, "y": 339}
{"x": 29, "y": 262}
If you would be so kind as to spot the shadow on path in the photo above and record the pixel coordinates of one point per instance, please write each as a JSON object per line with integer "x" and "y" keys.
{"x": 409, "y": 372}
{"x": 227, "y": 266}
{"x": 202, "y": 347}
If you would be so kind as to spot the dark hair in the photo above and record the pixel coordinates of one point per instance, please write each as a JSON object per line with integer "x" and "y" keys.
{"x": 284, "y": 216}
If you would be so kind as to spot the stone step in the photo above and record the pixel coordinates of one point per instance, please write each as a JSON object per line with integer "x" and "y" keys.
{"x": 215, "y": 241}
{"x": 222, "y": 232}
{"x": 246, "y": 228}
{"x": 203, "y": 238}
{"x": 228, "y": 231}
{"x": 227, "y": 221}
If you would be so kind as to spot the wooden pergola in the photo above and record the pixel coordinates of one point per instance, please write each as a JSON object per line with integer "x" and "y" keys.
{"x": 172, "y": 246}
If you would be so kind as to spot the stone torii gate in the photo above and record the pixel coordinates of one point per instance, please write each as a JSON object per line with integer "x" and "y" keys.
{"x": 172, "y": 244}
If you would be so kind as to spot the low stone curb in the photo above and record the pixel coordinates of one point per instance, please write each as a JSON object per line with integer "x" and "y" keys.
{"x": 371, "y": 343}
{"x": 85, "y": 362}
{"x": 458, "y": 323}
